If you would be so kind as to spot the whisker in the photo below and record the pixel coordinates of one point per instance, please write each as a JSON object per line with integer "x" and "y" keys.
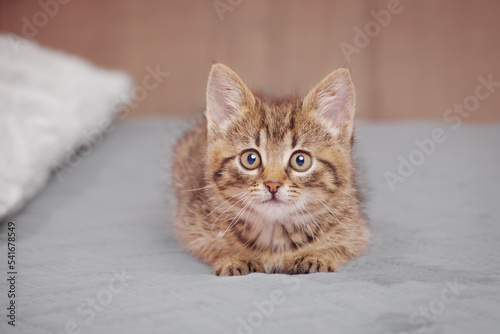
{"x": 334, "y": 216}
{"x": 248, "y": 213}
{"x": 246, "y": 201}
{"x": 212, "y": 185}
{"x": 312, "y": 217}
{"x": 315, "y": 222}
{"x": 212, "y": 228}
{"x": 235, "y": 219}
{"x": 221, "y": 205}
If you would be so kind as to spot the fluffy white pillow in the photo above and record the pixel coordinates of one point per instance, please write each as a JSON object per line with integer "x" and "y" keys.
{"x": 50, "y": 103}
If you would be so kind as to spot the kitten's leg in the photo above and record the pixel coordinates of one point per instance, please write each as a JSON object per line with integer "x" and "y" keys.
{"x": 317, "y": 261}
{"x": 236, "y": 266}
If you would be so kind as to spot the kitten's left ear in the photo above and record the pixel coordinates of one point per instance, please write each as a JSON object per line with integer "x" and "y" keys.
{"x": 334, "y": 100}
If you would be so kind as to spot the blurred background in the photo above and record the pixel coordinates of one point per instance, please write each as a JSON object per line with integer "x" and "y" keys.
{"x": 409, "y": 59}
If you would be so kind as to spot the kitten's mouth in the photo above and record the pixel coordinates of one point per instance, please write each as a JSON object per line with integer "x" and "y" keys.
{"x": 273, "y": 200}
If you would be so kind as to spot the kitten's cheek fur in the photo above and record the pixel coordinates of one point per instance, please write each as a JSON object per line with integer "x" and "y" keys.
{"x": 237, "y": 266}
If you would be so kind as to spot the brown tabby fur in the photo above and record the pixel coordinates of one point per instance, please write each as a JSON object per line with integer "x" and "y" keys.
{"x": 222, "y": 219}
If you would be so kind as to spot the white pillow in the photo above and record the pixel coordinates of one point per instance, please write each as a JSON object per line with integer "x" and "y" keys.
{"x": 50, "y": 103}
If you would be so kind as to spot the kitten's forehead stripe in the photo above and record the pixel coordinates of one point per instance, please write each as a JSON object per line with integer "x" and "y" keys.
{"x": 294, "y": 140}
{"x": 292, "y": 119}
{"x": 278, "y": 116}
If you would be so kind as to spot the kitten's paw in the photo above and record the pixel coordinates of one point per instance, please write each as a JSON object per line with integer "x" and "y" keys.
{"x": 237, "y": 266}
{"x": 310, "y": 263}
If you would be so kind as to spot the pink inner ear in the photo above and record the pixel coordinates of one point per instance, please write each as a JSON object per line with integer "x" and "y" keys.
{"x": 335, "y": 102}
{"x": 221, "y": 108}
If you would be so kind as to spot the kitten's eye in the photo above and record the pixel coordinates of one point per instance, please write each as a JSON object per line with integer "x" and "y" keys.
{"x": 250, "y": 159}
{"x": 300, "y": 161}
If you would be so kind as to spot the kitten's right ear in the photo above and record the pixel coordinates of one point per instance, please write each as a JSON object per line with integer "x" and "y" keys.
{"x": 227, "y": 97}
{"x": 333, "y": 99}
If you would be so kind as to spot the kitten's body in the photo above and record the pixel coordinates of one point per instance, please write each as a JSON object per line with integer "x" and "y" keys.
{"x": 272, "y": 218}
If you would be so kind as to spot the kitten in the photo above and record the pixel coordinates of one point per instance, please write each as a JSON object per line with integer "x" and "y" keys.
{"x": 268, "y": 185}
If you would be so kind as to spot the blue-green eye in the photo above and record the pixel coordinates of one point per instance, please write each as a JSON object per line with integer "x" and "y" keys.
{"x": 250, "y": 159}
{"x": 300, "y": 161}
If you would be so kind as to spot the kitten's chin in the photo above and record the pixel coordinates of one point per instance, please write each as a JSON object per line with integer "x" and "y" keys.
{"x": 275, "y": 210}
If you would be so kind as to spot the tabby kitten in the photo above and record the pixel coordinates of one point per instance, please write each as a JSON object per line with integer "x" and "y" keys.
{"x": 268, "y": 185}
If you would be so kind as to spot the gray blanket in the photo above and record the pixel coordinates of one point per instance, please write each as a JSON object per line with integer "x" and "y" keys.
{"x": 96, "y": 252}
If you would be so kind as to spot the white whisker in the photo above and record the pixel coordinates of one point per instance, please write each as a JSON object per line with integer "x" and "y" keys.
{"x": 248, "y": 213}
{"x": 212, "y": 228}
{"x": 212, "y": 185}
{"x": 235, "y": 219}
{"x": 334, "y": 216}
{"x": 221, "y": 205}
{"x": 312, "y": 217}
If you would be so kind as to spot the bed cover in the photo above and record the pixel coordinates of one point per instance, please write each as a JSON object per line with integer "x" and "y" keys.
{"x": 96, "y": 250}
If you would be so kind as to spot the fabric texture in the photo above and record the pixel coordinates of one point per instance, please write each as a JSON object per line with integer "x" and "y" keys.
{"x": 97, "y": 252}
{"x": 50, "y": 104}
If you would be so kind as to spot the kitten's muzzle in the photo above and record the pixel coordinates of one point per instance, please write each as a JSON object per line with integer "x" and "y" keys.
{"x": 273, "y": 186}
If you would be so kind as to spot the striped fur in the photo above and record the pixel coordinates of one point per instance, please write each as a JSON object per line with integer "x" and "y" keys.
{"x": 223, "y": 217}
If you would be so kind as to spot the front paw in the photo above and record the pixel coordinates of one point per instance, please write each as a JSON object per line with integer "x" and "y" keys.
{"x": 237, "y": 266}
{"x": 310, "y": 263}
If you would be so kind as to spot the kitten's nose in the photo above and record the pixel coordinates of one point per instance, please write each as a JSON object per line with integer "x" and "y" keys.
{"x": 273, "y": 186}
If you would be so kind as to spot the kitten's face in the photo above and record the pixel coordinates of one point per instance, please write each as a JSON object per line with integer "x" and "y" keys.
{"x": 274, "y": 157}
{"x": 278, "y": 168}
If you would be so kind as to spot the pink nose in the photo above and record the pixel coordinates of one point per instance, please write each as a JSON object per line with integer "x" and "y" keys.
{"x": 272, "y": 186}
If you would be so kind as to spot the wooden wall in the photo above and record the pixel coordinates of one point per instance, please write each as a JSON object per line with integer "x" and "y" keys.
{"x": 425, "y": 60}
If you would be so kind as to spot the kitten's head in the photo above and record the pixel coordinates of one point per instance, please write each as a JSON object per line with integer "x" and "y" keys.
{"x": 277, "y": 156}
